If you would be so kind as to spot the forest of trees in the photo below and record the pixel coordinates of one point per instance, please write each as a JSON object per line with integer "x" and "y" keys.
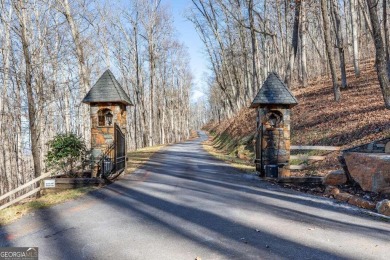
{"x": 299, "y": 39}
{"x": 53, "y": 51}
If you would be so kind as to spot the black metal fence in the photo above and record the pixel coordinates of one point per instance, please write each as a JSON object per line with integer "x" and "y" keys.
{"x": 113, "y": 161}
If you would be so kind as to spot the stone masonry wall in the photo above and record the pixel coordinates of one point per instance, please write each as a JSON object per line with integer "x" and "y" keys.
{"x": 377, "y": 146}
{"x": 276, "y": 141}
{"x": 103, "y": 136}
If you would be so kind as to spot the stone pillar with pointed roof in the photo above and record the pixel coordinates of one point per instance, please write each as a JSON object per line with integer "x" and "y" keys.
{"x": 108, "y": 102}
{"x": 273, "y": 103}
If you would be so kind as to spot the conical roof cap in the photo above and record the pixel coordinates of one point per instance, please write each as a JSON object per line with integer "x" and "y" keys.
{"x": 107, "y": 89}
{"x": 274, "y": 91}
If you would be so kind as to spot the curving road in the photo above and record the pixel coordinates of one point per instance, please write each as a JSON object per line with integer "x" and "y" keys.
{"x": 185, "y": 204}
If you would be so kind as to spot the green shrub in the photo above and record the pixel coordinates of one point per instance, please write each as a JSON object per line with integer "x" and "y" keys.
{"x": 64, "y": 152}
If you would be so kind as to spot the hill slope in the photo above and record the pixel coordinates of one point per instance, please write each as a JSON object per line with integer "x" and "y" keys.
{"x": 359, "y": 117}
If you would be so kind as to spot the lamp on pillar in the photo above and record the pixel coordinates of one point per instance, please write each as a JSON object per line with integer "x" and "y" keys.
{"x": 273, "y": 103}
{"x": 109, "y": 117}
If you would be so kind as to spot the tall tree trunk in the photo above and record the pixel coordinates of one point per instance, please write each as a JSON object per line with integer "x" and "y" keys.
{"x": 303, "y": 27}
{"x": 151, "y": 101}
{"x": 363, "y": 8}
{"x": 138, "y": 84}
{"x": 380, "y": 54}
{"x": 67, "y": 110}
{"x": 32, "y": 112}
{"x": 340, "y": 42}
{"x": 265, "y": 67}
{"x": 355, "y": 36}
{"x": 4, "y": 113}
{"x": 255, "y": 78}
{"x": 387, "y": 39}
{"x": 82, "y": 66}
{"x": 19, "y": 130}
{"x": 294, "y": 44}
{"x": 287, "y": 50}
{"x": 325, "y": 18}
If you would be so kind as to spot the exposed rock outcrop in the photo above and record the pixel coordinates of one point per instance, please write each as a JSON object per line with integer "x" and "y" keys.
{"x": 370, "y": 170}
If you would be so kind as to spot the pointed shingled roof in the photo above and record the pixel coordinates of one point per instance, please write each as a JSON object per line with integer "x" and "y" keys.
{"x": 107, "y": 89}
{"x": 274, "y": 91}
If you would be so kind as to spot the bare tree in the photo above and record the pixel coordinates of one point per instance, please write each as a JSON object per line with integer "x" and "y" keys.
{"x": 326, "y": 24}
{"x": 386, "y": 35}
{"x": 380, "y": 57}
{"x": 340, "y": 41}
{"x": 303, "y": 33}
{"x": 5, "y": 174}
{"x": 294, "y": 45}
{"x": 28, "y": 80}
{"x": 50, "y": 51}
{"x": 255, "y": 80}
{"x": 65, "y": 9}
{"x": 355, "y": 41}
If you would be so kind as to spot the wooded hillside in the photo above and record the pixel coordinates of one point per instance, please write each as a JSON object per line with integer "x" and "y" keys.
{"x": 301, "y": 40}
{"x": 53, "y": 51}
{"x": 358, "y": 118}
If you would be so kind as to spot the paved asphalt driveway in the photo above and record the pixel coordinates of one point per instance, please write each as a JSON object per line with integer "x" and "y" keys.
{"x": 185, "y": 204}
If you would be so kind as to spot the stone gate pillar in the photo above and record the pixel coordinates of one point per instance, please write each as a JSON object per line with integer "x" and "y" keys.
{"x": 108, "y": 102}
{"x": 273, "y": 103}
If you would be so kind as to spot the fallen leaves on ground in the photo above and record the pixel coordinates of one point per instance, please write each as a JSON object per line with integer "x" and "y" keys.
{"x": 360, "y": 117}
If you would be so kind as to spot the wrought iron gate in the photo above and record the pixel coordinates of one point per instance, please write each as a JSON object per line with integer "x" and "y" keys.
{"x": 120, "y": 149}
{"x": 113, "y": 161}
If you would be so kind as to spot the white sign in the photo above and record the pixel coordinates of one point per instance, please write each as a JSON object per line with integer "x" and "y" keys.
{"x": 49, "y": 183}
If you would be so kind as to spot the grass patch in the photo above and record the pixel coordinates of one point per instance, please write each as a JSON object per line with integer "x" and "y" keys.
{"x": 140, "y": 157}
{"x": 13, "y": 213}
{"x": 230, "y": 158}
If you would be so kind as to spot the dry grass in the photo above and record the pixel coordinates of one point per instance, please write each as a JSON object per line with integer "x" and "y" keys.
{"x": 239, "y": 126}
{"x": 13, "y": 213}
{"x": 237, "y": 163}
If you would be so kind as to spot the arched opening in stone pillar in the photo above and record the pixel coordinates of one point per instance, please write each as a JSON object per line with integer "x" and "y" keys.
{"x": 274, "y": 119}
{"x": 105, "y": 117}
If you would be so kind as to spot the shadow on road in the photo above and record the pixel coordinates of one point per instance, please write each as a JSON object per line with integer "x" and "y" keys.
{"x": 185, "y": 195}
{"x": 223, "y": 228}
